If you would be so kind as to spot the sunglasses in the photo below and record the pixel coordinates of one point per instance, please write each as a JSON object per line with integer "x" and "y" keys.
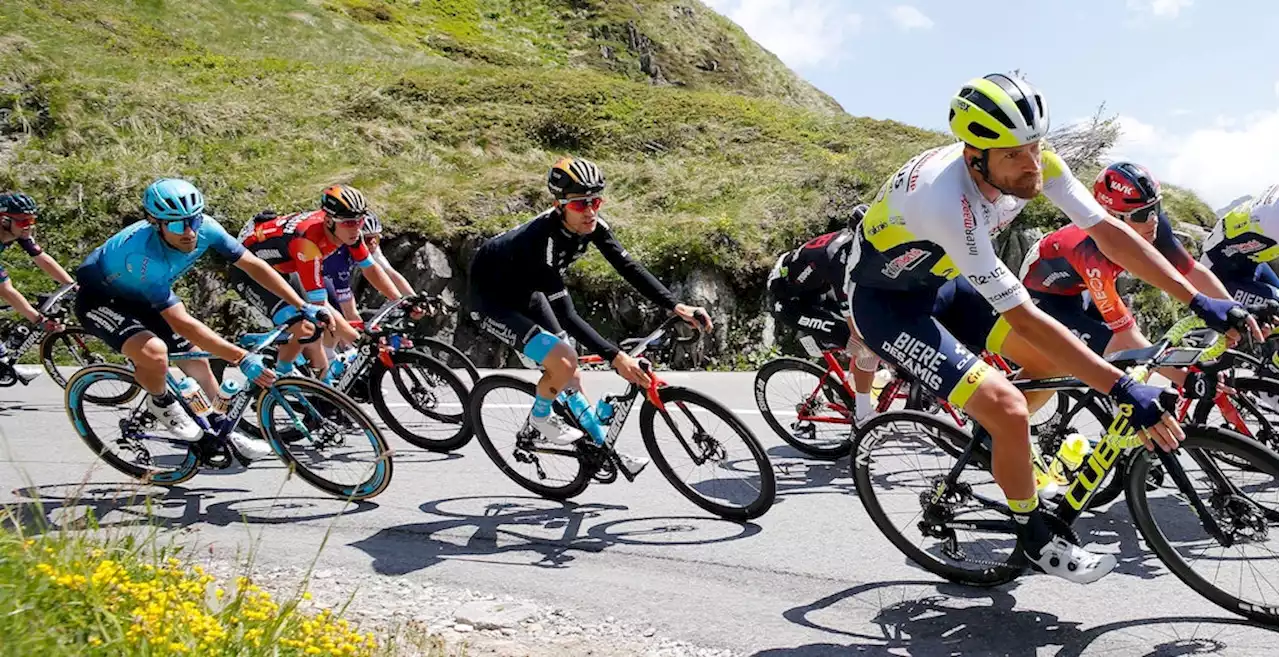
{"x": 348, "y": 222}
{"x": 179, "y": 226}
{"x": 582, "y": 204}
{"x": 21, "y": 220}
{"x": 1142, "y": 215}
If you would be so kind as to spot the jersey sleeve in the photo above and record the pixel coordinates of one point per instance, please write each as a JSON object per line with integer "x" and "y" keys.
{"x": 29, "y": 245}
{"x": 948, "y": 221}
{"x": 1069, "y": 194}
{"x": 360, "y": 254}
{"x": 632, "y": 271}
{"x": 220, "y": 240}
{"x": 1099, "y": 276}
{"x": 309, "y": 265}
{"x": 1171, "y": 247}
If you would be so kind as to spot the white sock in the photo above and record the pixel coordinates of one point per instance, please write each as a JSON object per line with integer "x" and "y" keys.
{"x": 862, "y": 405}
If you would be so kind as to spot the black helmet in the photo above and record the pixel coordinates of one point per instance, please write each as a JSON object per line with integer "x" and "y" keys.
{"x": 574, "y": 176}
{"x": 16, "y": 203}
{"x": 343, "y": 202}
{"x": 855, "y": 217}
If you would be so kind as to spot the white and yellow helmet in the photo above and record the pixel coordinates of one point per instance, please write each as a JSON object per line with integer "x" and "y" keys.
{"x": 999, "y": 111}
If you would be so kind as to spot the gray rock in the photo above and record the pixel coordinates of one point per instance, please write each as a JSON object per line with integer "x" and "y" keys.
{"x": 488, "y": 615}
{"x": 462, "y": 628}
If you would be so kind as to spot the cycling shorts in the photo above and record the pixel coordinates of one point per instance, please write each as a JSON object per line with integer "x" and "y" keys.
{"x": 115, "y": 320}
{"x": 930, "y": 335}
{"x": 1084, "y": 321}
{"x": 1244, "y": 286}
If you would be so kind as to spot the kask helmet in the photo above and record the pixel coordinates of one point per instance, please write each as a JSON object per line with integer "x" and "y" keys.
{"x": 999, "y": 111}
{"x": 855, "y": 217}
{"x": 571, "y": 176}
{"x": 343, "y": 202}
{"x": 12, "y": 203}
{"x": 1124, "y": 187}
{"x": 171, "y": 198}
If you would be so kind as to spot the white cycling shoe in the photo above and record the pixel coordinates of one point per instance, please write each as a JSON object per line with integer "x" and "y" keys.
{"x": 554, "y": 430}
{"x": 1073, "y": 563}
{"x": 252, "y": 449}
{"x": 175, "y": 420}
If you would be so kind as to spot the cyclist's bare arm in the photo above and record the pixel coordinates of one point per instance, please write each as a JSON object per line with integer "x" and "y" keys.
{"x": 200, "y": 335}
{"x": 266, "y": 276}
{"x": 1050, "y": 337}
{"x": 401, "y": 283}
{"x": 11, "y": 294}
{"x": 380, "y": 281}
{"x": 1206, "y": 282}
{"x": 48, "y": 265}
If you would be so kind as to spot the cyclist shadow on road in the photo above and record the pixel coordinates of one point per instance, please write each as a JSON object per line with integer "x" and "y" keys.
{"x": 531, "y": 531}
{"x": 931, "y": 618}
{"x": 78, "y": 506}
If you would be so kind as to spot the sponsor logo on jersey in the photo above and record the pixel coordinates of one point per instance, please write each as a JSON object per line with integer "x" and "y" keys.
{"x": 268, "y": 254}
{"x": 909, "y": 260}
{"x": 1054, "y": 277}
{"x": 1101, "y": 299}
{"x": 918, "y": 358}
{"x": 823, "y": 325}
{"x": 970, "y": 226}
{"x": 804, "y": 275}
{"x": 989, "y": 277}
{"x": 1243, "y": 247}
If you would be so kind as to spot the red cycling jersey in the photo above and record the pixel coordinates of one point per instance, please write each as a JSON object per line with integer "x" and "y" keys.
{"x": 1068, "y": 262}
{"x": 298, "y": 244}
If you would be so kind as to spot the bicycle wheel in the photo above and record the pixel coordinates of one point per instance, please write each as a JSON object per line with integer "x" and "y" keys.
{"x": 961, "y": 530}
{"x": 499, "y": 408}
{"x": 124, "y": 435}
{"x": 1251, "y": 411}
{"x": 1239, "y": 572}
{"x": 325, "y": 438}
{"x": 702, "y": 437}
{"x": 787, "y": 389}
{"x": 421, "y": 400}
{"x": 451, "y": 356}
{"x": 74, "y": 347}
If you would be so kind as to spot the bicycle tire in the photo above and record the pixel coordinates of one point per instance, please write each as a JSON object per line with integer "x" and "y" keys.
{"x": 866, "y": 439}
{"x": 382, "y": 470}
{"x": 1248, "y": 407}
{"x": 574, "y": 485}
{"x": 455, "y": 354}
{"x": 683, "y": 397}
{"x": 434, "y": 368}
{"x": 74, "y": 399}
{"x": 779, "y": 365}
{"x": 47, "y": 358}
{"x": 1259, "y": 459}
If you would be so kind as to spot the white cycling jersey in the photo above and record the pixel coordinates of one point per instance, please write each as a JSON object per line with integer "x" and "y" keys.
{"x": 1246, "y": 236}
{"x": 929, "y": 223}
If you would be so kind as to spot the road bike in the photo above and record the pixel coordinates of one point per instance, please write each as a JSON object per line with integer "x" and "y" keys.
{"x": 1211, "y": 518}
{"x": 319, "y": 433}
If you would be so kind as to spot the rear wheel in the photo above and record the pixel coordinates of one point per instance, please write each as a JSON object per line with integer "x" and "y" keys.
{"x": 73, "y": 348}
{"x": 451, "y": 356}
{"x": 421, "y": 400}
{"x": 499, "y": 408}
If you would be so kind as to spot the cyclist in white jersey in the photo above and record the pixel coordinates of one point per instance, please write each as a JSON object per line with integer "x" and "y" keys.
{"x": 924, "y": 263}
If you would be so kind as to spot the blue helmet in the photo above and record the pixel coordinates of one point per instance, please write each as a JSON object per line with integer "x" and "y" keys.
{"x": 171, "y": 198}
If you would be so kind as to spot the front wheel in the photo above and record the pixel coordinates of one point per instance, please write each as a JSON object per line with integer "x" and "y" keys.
{"x": 806, "y": 406}
{"x": 1232, "y": 480}
{"x": 499, "y": 409}
{"x": 430, "y": 401}
{"x": 694, "y": 436}
{"x": 324, "y": 436}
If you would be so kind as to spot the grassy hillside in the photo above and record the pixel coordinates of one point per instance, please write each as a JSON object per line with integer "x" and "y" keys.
{"x": 447, "y": 114}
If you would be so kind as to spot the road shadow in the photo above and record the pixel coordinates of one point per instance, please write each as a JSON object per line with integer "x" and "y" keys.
{"x": 530, "y": 531}
{"x": 78, "y": 506}
{"x": 930, "y": 618}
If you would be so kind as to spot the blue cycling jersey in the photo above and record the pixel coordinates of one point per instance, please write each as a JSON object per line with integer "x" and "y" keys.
{"x": 136, "y": 263}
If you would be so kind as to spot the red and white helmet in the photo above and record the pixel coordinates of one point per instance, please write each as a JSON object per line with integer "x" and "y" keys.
{"x": 1125, "y": 188}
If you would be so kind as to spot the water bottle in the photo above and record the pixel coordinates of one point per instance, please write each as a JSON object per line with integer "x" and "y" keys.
{"x": 226, "y": 392}
{"x": 582, "y": 411}
{"x": 1070, "y": 456}
{"x": 604, "y": 410}
{"x": 339, "y": 365}
{"x": 194, "y": 396}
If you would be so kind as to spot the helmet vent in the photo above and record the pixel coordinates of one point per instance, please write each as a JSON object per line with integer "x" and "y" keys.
{"x": 989, "y": 106}
{"x": 982, "y": 130}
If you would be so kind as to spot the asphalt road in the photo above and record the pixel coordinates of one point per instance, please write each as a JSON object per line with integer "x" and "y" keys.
{"x": 811, "y": 577}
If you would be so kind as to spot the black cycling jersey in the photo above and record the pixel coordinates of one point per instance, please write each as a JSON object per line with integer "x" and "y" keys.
{"x": 532, "y": 258}
{"x": 814, "y": 269}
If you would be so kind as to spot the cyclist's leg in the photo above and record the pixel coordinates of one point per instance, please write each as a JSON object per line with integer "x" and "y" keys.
{"x": 116, "y": 323}
{"x": 197, "y": 369}
{"x": 1085, "y": 324}
{"x": 271, "y": 310}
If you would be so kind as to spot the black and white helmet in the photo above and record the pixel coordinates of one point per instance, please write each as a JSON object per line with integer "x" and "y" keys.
{"x": 571, "y": 176}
